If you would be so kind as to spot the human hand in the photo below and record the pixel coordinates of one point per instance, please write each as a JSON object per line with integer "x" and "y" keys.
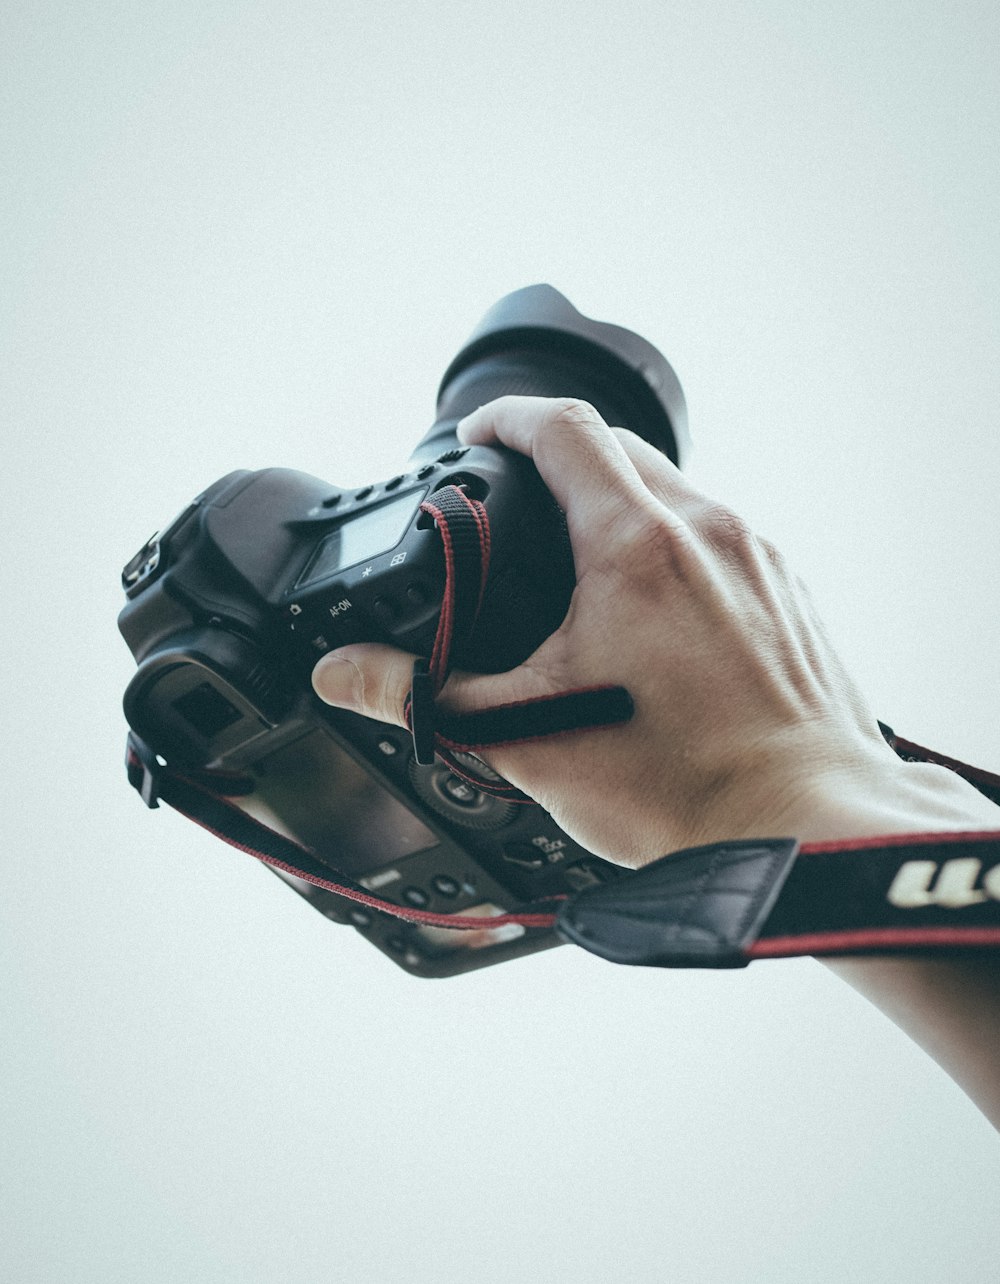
{"x": 746, "y": 723}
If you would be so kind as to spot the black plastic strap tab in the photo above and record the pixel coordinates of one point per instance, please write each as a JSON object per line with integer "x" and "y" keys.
{"x": 698, "y": 908}
{"x": 422, "y": 713}
{"x": 143, "y": 769}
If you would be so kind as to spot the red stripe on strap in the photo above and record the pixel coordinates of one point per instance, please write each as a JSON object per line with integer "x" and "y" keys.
{"x": 460, "y": 922}
{"x": 887, "y": 938}
{"x": 901, "y": 840}
{"x": 910, "y": 749}
{"x": 446, "y": 618}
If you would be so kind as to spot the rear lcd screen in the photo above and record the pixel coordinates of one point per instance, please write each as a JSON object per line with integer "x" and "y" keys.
{"x": 315, "y": 793}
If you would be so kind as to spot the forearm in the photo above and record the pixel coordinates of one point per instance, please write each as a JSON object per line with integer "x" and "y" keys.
{"x": 949, "y": 1006}
{"x": 745, "y": 724}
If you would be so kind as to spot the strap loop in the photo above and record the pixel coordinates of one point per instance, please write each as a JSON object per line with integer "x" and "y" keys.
{"x": 143, "y": 770}
{"x": 463, "y": 525}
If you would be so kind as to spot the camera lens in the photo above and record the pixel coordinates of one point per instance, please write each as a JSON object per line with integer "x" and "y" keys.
{"x": 534, "y": 342}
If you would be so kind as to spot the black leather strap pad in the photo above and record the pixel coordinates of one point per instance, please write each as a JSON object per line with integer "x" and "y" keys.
{"x": 698, "y": 908}
{"x": 723, "y": 905}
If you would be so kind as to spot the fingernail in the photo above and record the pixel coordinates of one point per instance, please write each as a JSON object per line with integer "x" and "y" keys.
{"x": 337, "y": 681}
{"x": 465, "y": 422}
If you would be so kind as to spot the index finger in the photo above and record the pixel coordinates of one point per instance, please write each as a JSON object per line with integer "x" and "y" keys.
{"x": 579, "y": 458}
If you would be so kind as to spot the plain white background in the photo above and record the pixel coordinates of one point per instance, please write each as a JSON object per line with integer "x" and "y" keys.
{"x": 238, "y": 235}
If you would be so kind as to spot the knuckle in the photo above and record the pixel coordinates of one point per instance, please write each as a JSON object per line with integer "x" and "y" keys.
{"x": 506, "y": 403}
{"x": 571, "y": 424}
{"x": 657, "y": 545}
{"x": 725, "y": 529}
{"x": 775, "y": 556}
{"x": 628, "y": 438}
{"x": 572, "y": 412}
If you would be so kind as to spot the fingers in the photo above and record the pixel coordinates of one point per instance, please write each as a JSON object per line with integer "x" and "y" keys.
{"x": 586, "y": 463}
{"x": 578, "y": 456}
{"x": 374, "y": 680}
{"x": 659, "y": 474}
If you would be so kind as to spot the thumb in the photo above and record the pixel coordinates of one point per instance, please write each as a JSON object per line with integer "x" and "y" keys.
{"x": 368, "y": 678}
{"x": 374, "y": 680}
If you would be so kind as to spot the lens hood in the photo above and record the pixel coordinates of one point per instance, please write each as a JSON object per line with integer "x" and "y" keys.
{"x": 628, "y": 380}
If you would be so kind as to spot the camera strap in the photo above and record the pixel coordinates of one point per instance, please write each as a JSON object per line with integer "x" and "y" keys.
{"x": 724, "y": 905}
{"x": 718, "y": 906}
{"x": 729, "y": 903}
{"x": 206, "y": 798}
{"x": 463, "y": 525}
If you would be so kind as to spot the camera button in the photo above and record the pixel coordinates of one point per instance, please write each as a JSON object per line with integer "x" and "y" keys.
{"x": 450, "y": 456}
{"x": 585, "y": 873}
{"x": 460, "y": 791}
{"x": 383, "y": 610}
{"x": 364, "y": 492}
{"x": 360, "y": 917}
{"x": 393, "y": 482}
{"x": 425, "y": 471}
{"x": 445, "y": 885}
{"x": 332, "y": 501}
{"x": 415, "y": 896}
{"x": 524, "y": 854}
{"x": 416, "y": 595}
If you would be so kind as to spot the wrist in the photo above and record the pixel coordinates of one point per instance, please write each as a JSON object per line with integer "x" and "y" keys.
{"x": 823, "y": 794}
{"x": 892, "y": 797}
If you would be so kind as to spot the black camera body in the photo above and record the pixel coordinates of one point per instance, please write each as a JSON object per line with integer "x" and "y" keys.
{"x": 229, "y": 609}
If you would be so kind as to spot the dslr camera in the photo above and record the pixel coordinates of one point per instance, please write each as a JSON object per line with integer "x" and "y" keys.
{"x": 230, "y": 607}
